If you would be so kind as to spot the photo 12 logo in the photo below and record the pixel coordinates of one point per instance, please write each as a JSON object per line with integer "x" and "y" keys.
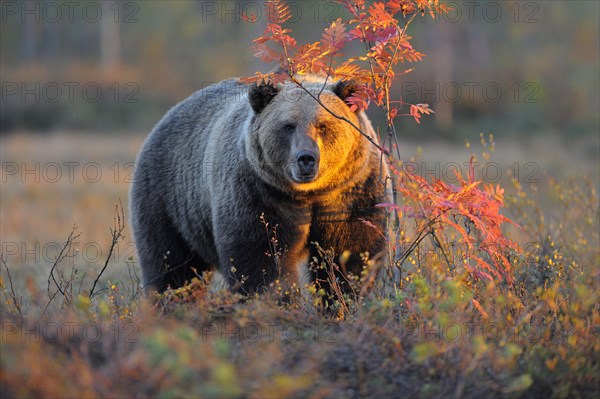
{"x": 69, "y": 11}
{"x": 518, "y": 12}
{"x": 471, "y": 92}
{"x": 69, "y": 331}
{"x": 90, "y": 252}
{"x": 69, "y": 92}
{"x": 67, "y": 171}
{"x": 227, "y": 11}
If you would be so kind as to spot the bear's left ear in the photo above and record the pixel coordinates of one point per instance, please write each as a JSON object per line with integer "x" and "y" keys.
{"x": 344, "y": 89}
{"x": 261, "y": 95}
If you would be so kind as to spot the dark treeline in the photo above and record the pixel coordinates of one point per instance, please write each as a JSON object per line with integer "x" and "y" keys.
{"x": 500, "y": 67}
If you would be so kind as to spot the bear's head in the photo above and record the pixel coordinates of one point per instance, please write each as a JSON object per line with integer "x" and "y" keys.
{"x": 295, "y": 144}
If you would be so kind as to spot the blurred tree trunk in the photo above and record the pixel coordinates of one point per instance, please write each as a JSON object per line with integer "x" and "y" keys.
{"x": 110, "y": 39}
{"x": 30, "y": 40}
{"x": 443, "y": 74}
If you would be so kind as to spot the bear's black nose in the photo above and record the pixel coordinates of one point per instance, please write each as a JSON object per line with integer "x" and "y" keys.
{"x": 306, "y": 160}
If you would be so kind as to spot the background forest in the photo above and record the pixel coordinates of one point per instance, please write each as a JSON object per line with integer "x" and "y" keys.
{"x": 512, "y": 68}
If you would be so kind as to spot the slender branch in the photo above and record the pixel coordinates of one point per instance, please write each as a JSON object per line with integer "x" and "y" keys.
{"x": 13, "y": 295}
{"x": 323, "y": 87}
{"x": 59, "y": 258}
{"x": 439, "y": 244}
{"x": 420, "y": 237}
{"x": 327, "y": 76}
{"x": 116, "y": 234}
{"x": 368, "y": 48}
{"x": 285, "y": 51}
{"x": 395, "y": 136}
{"x": 412, "y": 247}
{"x": 402, "y": 34}
{"x": 48, "y": 304}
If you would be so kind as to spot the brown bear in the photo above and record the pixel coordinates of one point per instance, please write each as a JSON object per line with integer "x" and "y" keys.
{"x": 234, "y": 152}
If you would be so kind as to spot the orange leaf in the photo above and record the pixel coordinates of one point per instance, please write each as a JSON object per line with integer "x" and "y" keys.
{"x": 480, "y": 309}
{"x": 335, "y": 35}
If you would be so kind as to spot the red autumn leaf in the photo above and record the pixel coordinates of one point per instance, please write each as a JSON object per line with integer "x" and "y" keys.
{"x": 390, "y": 205}
{"x": 346, "y": 72}
{"x": 335, "y": 37}
{"x": 480, "y": 308}
{"x": 278, "y": 12}
{"x": 248, "y": 18}
{"x": 265, "y": 53}
{"x": 357, "y": 101}
{"x": 417, "y": 109}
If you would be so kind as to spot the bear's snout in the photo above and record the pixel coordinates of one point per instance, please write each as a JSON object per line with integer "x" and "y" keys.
{"x": 308, "y": 165}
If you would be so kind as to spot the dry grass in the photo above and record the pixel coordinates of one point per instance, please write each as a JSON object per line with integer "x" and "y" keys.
{"x": 421, "y": 338}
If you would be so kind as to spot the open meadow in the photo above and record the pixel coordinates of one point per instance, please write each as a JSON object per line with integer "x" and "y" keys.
{"x": 424, "y": 337}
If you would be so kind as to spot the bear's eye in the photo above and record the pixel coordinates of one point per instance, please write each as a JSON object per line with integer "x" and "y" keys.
{"x": 289, "y": 128}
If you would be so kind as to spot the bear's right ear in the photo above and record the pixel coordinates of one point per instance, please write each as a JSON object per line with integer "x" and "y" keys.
{"x": 344, "y": 89}
{"x": 261, "y": 95}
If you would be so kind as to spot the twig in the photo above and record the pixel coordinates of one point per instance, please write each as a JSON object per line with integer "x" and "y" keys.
{"x": 48, "y": 304}
{"x": 64, "y": 252}
{"x": 439, "y": 244}
{"x": 13, "y": 295}
{"x": 116, "y": 234}
{"x": 81, "y": 280}
{"x": 134, "y": 279}
{"x": 399, "y": 41}
{"x": 420, "y": 237}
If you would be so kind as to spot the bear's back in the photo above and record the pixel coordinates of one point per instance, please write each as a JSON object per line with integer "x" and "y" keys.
{"x": 177, "y": 158}
{"x": 195, "y": 114}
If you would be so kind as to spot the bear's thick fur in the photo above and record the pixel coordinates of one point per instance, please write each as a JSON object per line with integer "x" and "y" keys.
{"x": 232, "y": 152}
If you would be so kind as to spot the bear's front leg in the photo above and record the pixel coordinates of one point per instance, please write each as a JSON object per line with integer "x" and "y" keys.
{"x": 349, "y": 230}
{"x": 256, "y": 250}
